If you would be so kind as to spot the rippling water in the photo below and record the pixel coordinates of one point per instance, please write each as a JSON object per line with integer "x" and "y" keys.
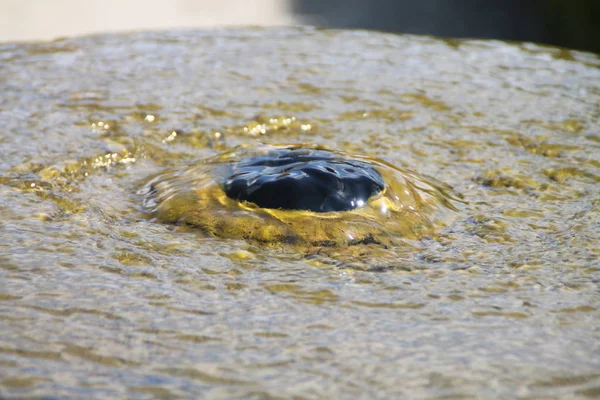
{"x": 100, "y": 300}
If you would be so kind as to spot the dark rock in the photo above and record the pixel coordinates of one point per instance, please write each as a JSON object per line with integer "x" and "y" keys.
{"x": 303, "y": 179}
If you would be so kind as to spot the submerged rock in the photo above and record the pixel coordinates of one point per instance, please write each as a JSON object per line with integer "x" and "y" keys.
{"x": 303, "y": 179}
{"x": 298, "y": 194}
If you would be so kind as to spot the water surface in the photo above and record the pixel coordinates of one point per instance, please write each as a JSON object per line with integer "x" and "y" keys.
{"x": 100, "y": 300}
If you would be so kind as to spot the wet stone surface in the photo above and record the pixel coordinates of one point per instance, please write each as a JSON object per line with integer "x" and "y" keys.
{"x": 303, "y": 179}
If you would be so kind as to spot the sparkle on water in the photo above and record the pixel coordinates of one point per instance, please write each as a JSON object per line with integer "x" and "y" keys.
{"x": 496, "y": 298}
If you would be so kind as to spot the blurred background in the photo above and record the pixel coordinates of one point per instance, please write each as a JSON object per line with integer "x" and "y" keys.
{"x": 567, "y": 23}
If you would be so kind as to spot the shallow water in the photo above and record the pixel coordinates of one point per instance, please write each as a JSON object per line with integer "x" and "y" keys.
{"x": 100, "y": 300}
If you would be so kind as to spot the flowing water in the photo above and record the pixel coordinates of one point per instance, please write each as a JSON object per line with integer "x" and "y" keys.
{"x": 101, "y": 297}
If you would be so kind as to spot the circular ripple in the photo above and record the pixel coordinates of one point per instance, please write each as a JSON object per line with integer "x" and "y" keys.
{"x": 299, "y": 194}
{"x": 303, "y": 179}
